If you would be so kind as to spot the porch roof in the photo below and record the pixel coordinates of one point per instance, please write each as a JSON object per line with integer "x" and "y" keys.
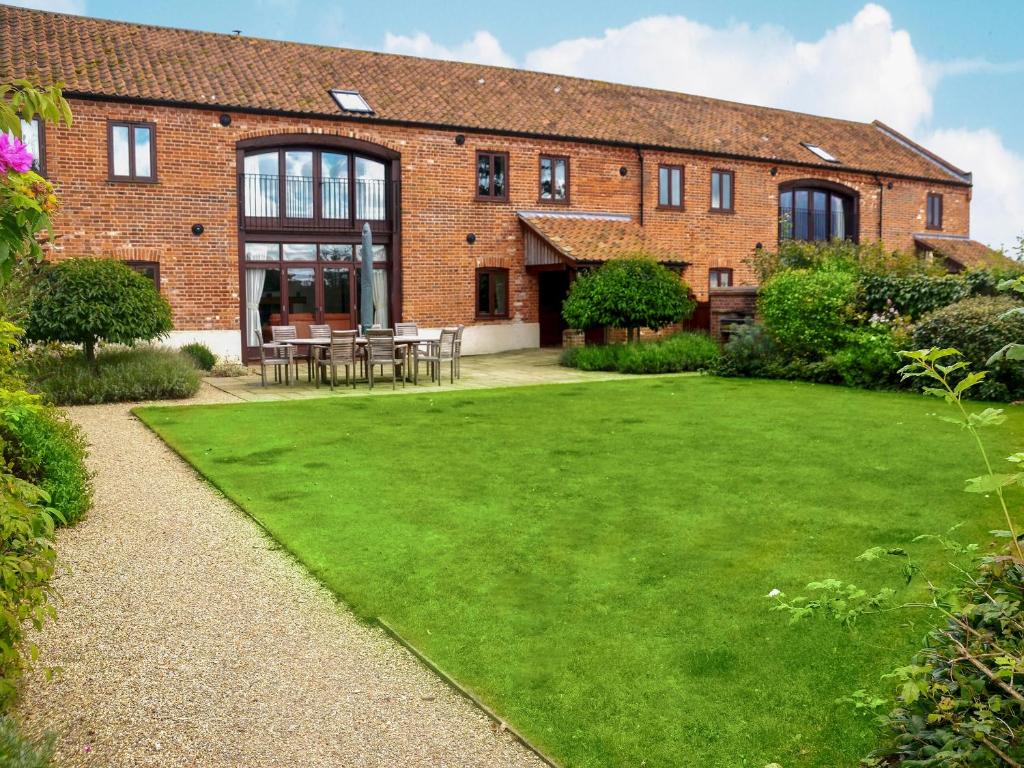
{"x": 967, "y": 253}
{"x": 576, "y": 238}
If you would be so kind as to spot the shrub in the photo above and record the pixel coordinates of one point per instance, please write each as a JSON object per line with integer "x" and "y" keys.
{"x": 46, "y": 449}
{"x": 749, "y": 352}
{"x": 201, "y": 354}
{"x": 677, "y": 353}
{"x": 86, "y": 301}
{"x": 629, "y": 293}
{"x": 228, "y": 369}
{"x": 808, "y": 312}
{"x": 28, "y": 562}
{"x": 16, "y": 751}
{"x": 869, "y": 359}
{"x": 870, "y": 258}
{"x": 978, "y": 327}
{"x": 118, "y": 375}
{"x": 916, "y": 295}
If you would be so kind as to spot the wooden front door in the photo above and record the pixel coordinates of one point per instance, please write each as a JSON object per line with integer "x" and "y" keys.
{"x": 553, "y": 288}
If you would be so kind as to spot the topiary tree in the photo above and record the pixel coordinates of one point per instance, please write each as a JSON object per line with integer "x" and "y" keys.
{"x": 86, "y": 301}
{"x": 631, "y": 293}
{"x": 809, "y": 312}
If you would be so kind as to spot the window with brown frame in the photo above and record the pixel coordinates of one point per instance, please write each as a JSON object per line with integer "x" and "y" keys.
{"x": 723, "y": 188}
{"x": 150, "y": 269}
{"x": 131, "y": 152}
{"x": 491, "y": 293}
{"x": 720, "y": 277}
{"x": 492, "y": 175}
{"x": 934, "y": 213}
{"x": 670, "y": 187}
{"x": 554, "y": 179}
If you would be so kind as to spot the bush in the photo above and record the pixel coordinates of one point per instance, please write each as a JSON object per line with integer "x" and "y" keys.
{"x": 869, "y": 359}
{"x": 18, "y": 752}
{"x": 749, "y": 352}
{"x": 808, "y": 312}
{"x": 978, "y": 327}
{"x": 118, "y": 375}
{"x": 47, "y": 450}
{"x": 677, "y": 353}
{"x": 916, "y": 295}
{"x": 86, "y": 301}
{"x": 201, "y": 354}
{"x": 946, "y": 706}
{"x": 870, "y": 258}
{"x": 629, "y": 293}
{"x": 229, "y": 369}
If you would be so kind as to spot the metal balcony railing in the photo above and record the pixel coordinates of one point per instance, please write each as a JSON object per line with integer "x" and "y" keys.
{"x": 812, "y": 225}
{"x": 302, "y": 203}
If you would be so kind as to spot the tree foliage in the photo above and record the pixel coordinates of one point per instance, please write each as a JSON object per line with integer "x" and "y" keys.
{"x": 630, "y": 293}
{"x": 86, "y": 301}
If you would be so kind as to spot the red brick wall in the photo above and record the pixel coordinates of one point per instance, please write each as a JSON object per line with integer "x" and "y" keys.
{"x": 196, "y": 169}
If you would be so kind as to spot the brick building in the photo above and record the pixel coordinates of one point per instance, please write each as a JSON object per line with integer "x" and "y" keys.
{"x": 238, "y": 172}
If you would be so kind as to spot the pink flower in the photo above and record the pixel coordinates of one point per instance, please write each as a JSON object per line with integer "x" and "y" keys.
{"x": 14, "y": 155}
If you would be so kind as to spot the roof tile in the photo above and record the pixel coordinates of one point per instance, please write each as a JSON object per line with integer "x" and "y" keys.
{"x": 118, "y": 59}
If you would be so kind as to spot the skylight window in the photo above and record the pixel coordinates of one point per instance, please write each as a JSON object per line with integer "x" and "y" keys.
{"x": 351, "y": 101}
{"x": 821, "y": 153}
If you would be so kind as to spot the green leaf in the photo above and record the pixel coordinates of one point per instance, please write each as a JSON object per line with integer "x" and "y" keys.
{"x": 993, "y": 482}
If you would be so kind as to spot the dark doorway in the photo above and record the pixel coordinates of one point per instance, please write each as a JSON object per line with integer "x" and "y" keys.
{"x": 554, "y": 287}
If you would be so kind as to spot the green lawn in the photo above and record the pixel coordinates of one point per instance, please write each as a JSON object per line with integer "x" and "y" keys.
{"x": 593, "y": 559}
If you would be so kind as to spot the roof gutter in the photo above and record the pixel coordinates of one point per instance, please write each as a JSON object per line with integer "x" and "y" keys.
{"x": 71, "y": 94}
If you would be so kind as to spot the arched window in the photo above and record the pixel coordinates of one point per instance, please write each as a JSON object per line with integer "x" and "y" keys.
{"x": 817, "y": 211}
{"x": 326, "y": 186}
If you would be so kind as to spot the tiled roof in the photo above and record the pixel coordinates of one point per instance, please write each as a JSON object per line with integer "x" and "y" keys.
{"x": 116, "y": 59}
{"x": 596, "y": 238}
{"x": 965, "y": 252}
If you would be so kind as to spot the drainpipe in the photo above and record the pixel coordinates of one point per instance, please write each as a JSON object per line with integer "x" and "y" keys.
{"x": 881, "y": 195}
{"x": 640, "y": 157}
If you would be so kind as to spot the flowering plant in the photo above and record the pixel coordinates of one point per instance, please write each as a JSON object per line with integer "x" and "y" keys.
{"x": 27, "y": 199}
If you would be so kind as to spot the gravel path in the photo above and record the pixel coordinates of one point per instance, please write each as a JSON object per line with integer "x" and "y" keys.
{"x": 185, "y": 638}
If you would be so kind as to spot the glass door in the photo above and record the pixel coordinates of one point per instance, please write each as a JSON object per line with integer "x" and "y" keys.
{"x": 336, "y": 283}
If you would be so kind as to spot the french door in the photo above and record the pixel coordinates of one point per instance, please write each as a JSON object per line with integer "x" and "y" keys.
{"x": 301, "y": 295}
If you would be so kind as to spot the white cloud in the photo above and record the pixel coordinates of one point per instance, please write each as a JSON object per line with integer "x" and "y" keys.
{"x": 482, "y": 48}
{"x": 57, "y": 6}
{"x": 997, "y": 208}
{"x": 863, "y": 69}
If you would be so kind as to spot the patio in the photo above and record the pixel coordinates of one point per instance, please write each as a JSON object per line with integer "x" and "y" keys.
{"x": 506, "y": 369}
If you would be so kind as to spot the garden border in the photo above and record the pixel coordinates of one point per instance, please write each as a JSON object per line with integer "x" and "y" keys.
{"x": 465, "y": 692}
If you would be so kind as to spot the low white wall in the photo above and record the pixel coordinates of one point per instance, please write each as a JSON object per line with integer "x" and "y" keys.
{"x": 476, "y": 340}
{"x": 226, "y": 344}
{"x": 485, "y": 339}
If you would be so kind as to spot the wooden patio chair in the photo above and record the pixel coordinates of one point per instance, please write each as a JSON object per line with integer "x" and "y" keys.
{"x": 316, "y": 332}
{"x": 440, "y": 352}
{"x": 343, "y": 351}
{"x": 458, "y": 350}
{"x": 381, "y": 350}
{"x": 277, "y": 356}
{"x": 283, "y": 334}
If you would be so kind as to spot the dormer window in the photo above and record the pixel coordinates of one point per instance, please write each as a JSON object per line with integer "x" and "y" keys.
{"x": 351, "y": 101}
{"x": 826, "y": 156}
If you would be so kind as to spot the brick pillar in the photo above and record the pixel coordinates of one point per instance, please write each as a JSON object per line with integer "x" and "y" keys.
{"x": 735, "y": 301}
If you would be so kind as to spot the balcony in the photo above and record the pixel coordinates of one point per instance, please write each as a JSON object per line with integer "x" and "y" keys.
{"x": 813, "y": 225}
{"x": 302, "y": 204}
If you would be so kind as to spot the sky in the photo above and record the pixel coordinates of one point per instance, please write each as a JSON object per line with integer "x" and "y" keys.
{"x": 949, "y": 73}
